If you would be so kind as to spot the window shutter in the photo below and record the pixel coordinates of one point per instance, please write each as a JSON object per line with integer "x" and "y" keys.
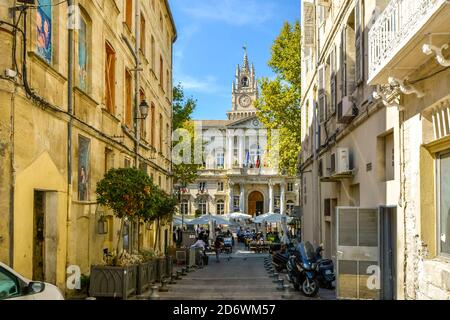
{"x": 343, "y": 63}
{"x": 308, "y": 23}
{"x": 359, "y": 57}
{"x": 322, "y": 95}
{"x": 333, "y": 81}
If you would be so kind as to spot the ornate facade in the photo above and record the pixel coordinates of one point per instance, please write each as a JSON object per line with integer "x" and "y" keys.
{"x": 236, "y": 175}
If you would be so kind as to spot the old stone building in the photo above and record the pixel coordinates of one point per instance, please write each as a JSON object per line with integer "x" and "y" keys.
{"x": 69, "y": 113}
{"x": 410, "y": 68}
{"x": 349, "y": 167}
{"x": 236, "y": 175}
{"x": 375, "y": 144}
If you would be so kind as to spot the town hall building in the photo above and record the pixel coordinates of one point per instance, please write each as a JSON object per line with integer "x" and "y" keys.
{"x": 237, "y": 174}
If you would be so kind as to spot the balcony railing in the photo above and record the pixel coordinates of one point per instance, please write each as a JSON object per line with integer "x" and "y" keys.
{"x": 396, "y": 25}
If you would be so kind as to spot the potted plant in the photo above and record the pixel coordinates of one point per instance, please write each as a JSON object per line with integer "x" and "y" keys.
{"x": 128, "y": 192}
{"x": 117, "y": 279}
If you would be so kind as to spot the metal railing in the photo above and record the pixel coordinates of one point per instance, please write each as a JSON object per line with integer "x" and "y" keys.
{"x": 400, "y": 20}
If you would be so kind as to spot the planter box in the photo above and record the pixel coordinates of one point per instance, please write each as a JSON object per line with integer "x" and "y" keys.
{"x": 160, "y": 268}
{"x": 113, "y": 282}
{"x": 143, "y": 278}
{"x": 152, "y": 270}
{"x": 169, "y": 266}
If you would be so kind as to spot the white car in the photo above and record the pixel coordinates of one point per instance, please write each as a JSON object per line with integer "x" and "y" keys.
{"x": 13, "y": 286}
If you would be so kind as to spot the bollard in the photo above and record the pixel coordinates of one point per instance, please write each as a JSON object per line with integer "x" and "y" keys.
{"x": 183, "y": 271}
{"x": 287, "y": 292}
{"x": 188, "y": 269}
{"x": 275, "y": 279}
{"x": 154, "y": 292}
{"x": 280, "y": 286}
{"x": 163, "y": 287}
{"x": 172, "y": 279}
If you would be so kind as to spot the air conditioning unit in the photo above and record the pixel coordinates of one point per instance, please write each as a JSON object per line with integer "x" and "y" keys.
{"x": 346, "y": 110}
{"x": 340, "y": 161}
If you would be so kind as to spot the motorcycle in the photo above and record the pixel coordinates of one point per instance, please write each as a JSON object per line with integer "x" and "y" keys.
{"x": 302, "y": 270}
{"x": 325, "y": 269}
{"x": 281, "y": 257}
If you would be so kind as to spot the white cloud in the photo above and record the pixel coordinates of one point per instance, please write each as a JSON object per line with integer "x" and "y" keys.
{"x": 233, "y": 12}
{"x": 206, "y": 84}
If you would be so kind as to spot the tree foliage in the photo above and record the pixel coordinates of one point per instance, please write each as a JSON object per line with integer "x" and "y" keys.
{"x": 186, "y": 172}
{"x": 279, "y": 104}
{"x": 126, "y": 191}
{"x": 182, "y": 107}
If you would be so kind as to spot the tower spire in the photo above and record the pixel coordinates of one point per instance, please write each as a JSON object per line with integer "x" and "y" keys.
{"x": 245, "y": 63}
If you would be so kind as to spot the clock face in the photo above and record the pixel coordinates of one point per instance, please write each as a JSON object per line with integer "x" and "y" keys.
{"x": 256, "y": 123}
{"x": 245, "y": 101}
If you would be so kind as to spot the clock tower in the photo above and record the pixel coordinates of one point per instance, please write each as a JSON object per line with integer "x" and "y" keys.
{"x": 244, "y": 91}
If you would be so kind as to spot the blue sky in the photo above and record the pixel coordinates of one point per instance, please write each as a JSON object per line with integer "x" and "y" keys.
{"x": 211, "y": 34}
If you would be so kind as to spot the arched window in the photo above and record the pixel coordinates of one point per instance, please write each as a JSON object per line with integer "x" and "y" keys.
{"x": 290, "y": 207}
{"x": 84, "y": 46}
{"x": 184, "y": 207}
{"x": 220, "y": 207}
{"x": 244, "y": 82}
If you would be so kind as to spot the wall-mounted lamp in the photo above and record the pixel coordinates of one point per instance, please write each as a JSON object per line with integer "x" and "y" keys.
{"x": 143, "y": 109}
{"x": 429, "y": 49}
{"x": 404, "y": 87}
{"x": 102, "y": 225}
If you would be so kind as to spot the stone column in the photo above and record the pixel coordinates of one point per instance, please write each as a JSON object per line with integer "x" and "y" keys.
{"x": 242, "y": 198}
{"x": 282, "y": 198}
{"x": 284, "y": 227}
{"x": 271, "y": 200}
{"x": 230, "y": 149}
{"x": 230, "y": 195}
{"x": 241, "y": 149}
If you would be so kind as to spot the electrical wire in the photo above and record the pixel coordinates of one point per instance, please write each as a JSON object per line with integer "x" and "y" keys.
{"x": 428, "y": 76}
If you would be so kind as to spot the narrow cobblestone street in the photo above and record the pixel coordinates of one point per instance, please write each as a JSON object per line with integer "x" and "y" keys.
{"x": 239, "y": 276}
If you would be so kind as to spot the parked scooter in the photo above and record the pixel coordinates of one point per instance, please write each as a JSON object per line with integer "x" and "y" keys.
{"x": 280, "y": 258}
{"x": 325, "y": 269}
{"x": 302, "y": 270}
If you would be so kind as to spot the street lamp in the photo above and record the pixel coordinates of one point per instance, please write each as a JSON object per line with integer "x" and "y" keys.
{"x": 143, "y": 109}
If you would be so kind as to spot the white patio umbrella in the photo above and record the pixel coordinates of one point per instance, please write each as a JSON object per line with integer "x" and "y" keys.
{"x": 206, "y": 219}
{"x": 237, "y": 216}
{"x": 178, "y": 221}
{"x": 260, "y": 218}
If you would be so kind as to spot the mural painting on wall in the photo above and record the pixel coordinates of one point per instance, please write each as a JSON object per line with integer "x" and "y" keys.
{"x": 83, "y": 168}
{"x": 82, "y": 55}
{"x": 44, "y": 30}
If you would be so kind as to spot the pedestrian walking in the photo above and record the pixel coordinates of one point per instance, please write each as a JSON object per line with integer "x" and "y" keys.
{"x": 217, "y": 246}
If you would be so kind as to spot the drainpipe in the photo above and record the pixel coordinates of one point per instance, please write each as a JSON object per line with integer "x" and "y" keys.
{"x": 13, "y": 181}
{"x": 69, "y": 125}
{"x": 136, "y": 81}
{"x": 136, "y": 93}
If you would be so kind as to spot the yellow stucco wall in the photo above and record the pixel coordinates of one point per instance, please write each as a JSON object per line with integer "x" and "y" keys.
{"x": 42, "y": 175}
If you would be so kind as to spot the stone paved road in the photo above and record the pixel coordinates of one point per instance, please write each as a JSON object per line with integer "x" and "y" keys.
{"x": 242, "y": 276}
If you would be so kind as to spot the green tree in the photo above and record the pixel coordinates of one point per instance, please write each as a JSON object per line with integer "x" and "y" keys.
{"x": 127, "y": 192}
{"x": 185, "y": 172}
{"x": 182, "y": 107}
{"x": 279, "y": 104}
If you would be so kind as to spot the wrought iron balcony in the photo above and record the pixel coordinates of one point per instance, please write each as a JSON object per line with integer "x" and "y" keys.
{"x": 399, "y": 28}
